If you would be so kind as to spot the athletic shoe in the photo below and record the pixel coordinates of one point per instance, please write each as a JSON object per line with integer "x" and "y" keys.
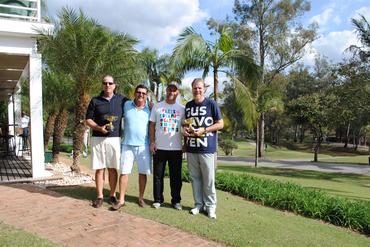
{"x": 156, "y": 205}
{"x": 97, "y": 203}
{"x": 212, "y": 213}
{"x": 195, "y": 211}
{"x": 177, "y": 206}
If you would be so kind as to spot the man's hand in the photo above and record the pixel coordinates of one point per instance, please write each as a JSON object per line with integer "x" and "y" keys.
{"x": 153, "y": 147}
{"x": 185, "y": 131}
{"x": 200, "y": 131}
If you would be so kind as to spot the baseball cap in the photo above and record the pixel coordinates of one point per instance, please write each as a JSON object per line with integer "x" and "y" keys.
{"x": 173, "y": 84}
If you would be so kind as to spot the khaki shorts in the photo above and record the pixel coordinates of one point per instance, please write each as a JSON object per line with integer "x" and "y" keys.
{"x": 105, "y": 152}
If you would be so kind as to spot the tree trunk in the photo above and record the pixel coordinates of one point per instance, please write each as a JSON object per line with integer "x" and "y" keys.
{"x": 79, "y": 130}
{"x": 49, "y": 128}
{"x": 316, "y": 149}
{"x": 262, "y": 136}
{"x": 301, "y": 137}
{"x": 215, "y": 84}
{"x": 295, "y": 139}
{"x": 347, "y": 136}
{"x": 59, "y": 128}
{"x": 257, "y": 141}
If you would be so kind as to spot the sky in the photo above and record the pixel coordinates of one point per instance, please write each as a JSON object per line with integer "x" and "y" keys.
{"x": 157, "y": 23}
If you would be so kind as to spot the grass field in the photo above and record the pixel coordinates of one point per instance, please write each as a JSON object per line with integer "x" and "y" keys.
{"x": 243, "y": 223}
{"x": 346, "y": 185}
{"x": 239, "y": 222}
{"x": 12, "y": 237}
{"x": 287, "y": 151}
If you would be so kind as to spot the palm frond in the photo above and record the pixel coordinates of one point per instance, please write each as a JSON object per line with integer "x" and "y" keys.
{"x": 246, "y": 102}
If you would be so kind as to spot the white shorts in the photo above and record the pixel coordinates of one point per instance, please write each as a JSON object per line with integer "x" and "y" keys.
{"x": 140, "y": 154}
{"x": 105, "y": 152}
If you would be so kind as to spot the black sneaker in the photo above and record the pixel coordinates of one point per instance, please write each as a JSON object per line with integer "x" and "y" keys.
{"x": 97, "y": 203}
{"x": 113, "y": 200}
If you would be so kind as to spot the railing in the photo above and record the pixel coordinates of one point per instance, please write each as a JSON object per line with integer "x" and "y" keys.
{"x": 27, "y": 10}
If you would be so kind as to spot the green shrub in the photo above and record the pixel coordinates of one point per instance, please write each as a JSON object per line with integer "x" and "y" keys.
{"x": 304, "y": 201}
{"x": 66, "y": 148}
{"x": 227, "y": 145}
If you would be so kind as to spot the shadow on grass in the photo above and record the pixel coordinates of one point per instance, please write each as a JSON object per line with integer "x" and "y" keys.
{"x": 285, "y": 172}
{"x": 327, "y": 149}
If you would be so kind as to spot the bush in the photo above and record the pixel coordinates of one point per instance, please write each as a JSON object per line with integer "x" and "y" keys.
{"x": 227, "y": 145}
{"x": 292, "y": 197}
{"x": 66, "y": 148}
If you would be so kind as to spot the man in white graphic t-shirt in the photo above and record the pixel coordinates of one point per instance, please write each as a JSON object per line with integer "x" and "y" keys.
{"x": 166, "y": 145}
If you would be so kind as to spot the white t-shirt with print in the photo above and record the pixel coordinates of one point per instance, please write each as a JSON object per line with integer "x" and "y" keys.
{"x": 167, "y": 118}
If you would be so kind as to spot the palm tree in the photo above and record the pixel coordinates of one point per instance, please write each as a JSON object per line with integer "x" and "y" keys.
{"x": 192, "y": 52}
{"x": 61, "y": 88}
{"x": 158, "y": 70}
{"x": 363, "y": 31}
{"x": 85, "y": 50}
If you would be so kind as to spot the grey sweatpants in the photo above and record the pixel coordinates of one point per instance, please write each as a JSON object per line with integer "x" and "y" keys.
{"x": 202, "y": 173}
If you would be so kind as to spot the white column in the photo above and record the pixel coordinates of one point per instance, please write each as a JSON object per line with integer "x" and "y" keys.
{"x": 17, "y": 117}
{"x": 37, "y": 136}
{"x": 11, "y": 115}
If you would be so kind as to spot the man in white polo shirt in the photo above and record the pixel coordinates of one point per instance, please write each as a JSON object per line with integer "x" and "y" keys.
{"x": 135, "y": 145}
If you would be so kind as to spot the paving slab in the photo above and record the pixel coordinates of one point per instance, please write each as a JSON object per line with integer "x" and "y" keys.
{"x": 74, "y": 222}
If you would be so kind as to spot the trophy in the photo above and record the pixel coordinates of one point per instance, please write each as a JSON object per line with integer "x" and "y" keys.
{"x": 110, "y": 119}
{"x": 189, "y": 122}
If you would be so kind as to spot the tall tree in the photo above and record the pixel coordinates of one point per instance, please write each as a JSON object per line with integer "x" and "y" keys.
{"x": 193, "y": 52}
{"x": 85, "y": 50}
{"x": 314, "y": 111}
{"x": 276, "y": 36}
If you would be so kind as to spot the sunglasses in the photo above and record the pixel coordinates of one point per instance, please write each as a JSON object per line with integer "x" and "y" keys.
{"x": 143, "y": 93}
{"x": 108, "y": 83}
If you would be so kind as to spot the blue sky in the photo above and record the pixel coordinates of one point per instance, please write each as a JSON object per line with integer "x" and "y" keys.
{"x": 157, "y": 23}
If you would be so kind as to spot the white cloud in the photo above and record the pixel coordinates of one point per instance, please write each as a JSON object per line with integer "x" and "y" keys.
{"x": 365, "y": 11}
{"x": 326, "y": 18}
{"x": 154, "y": 22}
{"x": 323, "y": 18}
{"x": 332, "y": 46}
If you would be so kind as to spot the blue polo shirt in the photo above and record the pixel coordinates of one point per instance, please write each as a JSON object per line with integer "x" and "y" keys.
{"x": 136, "y": 130}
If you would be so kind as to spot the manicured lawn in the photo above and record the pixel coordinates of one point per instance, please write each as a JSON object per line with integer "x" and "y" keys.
{"x": 345, "y": 185}
{"x": 239, "y": 222}
{"x": 303, "y": 152}
{"x": 10, "y": 236}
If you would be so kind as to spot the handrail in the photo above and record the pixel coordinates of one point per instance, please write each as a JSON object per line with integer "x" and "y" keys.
{"x": 34, "y": 13}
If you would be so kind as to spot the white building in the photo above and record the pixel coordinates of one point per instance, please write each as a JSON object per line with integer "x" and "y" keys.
{"x": 19, "y": 60}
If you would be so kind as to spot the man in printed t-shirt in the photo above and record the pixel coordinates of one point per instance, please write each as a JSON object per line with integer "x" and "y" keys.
{"x": 202, "y": 120}
{"x": 166, "y": 146}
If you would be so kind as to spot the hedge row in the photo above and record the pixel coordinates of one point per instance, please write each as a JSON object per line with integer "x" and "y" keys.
{"x": 295, "y": 198}
{"x": 300, "y": 200}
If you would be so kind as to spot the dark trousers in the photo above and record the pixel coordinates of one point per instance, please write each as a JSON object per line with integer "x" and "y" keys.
{"x": 174, "y": 159}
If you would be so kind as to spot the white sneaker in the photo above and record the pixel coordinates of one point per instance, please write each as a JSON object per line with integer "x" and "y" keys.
{"x": 156, "y": 205}
{"x": 212, "y": 214}
{"x": 194, "y": 211}
{"x": 177, "y": 206}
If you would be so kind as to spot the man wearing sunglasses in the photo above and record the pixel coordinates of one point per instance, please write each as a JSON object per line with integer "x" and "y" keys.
{"x": 135, "y": 145}
{"x": 104, "y": 117}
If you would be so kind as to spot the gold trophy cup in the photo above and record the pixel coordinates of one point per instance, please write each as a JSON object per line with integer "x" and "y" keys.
{"x": 189, "y": 122}
{"x": 110, "y": 119}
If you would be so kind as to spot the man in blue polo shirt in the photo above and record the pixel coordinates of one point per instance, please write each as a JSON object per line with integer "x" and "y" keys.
{"x": 135, "y": 145}
{"x": 105, "y": 140}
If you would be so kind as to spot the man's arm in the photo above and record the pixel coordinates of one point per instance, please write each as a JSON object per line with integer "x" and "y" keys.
{"x": 153, "y": 147}
{"x": 94, "y": 126}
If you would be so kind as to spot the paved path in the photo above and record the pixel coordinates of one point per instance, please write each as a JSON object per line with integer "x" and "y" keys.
{"x": 301, "y": 165}
{"x": 73, "y": 222}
